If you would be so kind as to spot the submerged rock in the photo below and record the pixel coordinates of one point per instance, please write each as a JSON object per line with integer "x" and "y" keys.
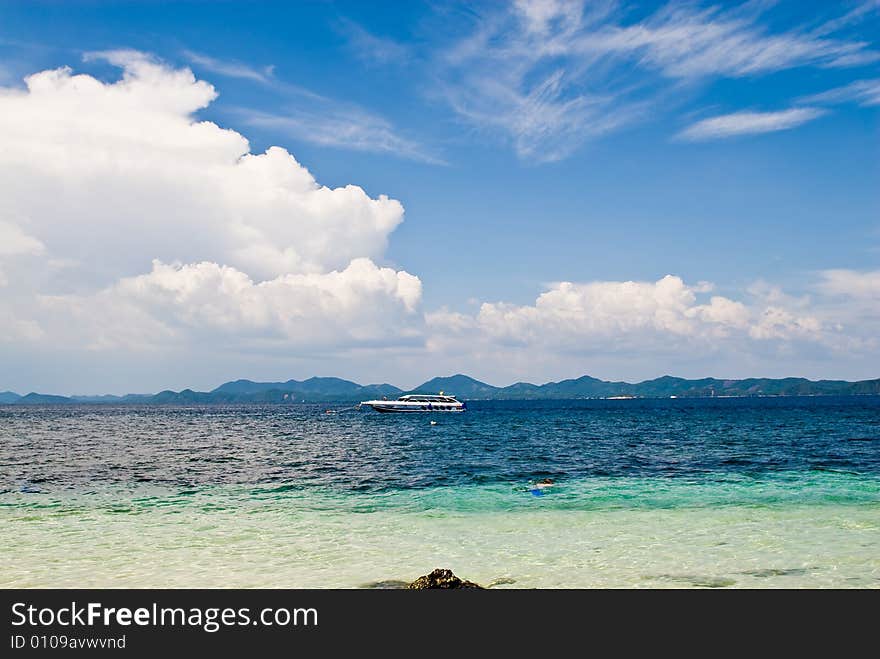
{"x": 440, "y": 578}
{"x": 501, "y": 581}
{"x": 387, "y": 584}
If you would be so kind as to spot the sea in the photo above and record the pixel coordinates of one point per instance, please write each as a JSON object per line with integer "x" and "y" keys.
{"x": 776, "y": 492}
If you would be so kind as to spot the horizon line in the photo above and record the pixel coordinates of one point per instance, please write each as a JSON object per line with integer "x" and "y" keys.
{"x": 438, "y": 377}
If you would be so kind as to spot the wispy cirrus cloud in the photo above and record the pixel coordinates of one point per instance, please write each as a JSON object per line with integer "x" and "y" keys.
{"x": 515, "y": 76}
{"x": 748, "y": 123}
{"x": 544, "y": 123}
{"x": 684, "y": 43}
{"x": 232, "y": 68}
{"x": 263, "y": 75}
{"x": 342, "y": 127}
{"x": 857, "y": 14}
{"x": 372, "y": 48}
{"x": 863, "y": 92}
{"x": 315, "y": 118}
{"x": 550, "y": 75}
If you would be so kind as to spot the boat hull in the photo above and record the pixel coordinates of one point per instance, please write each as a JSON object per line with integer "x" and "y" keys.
{"x": 413, "y": 409}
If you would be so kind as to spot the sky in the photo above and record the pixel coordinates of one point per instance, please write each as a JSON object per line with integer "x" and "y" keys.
{"x": 195, "y": 192}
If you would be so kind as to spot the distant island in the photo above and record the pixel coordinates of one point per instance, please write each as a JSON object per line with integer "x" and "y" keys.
{"x": 337, "y": 390}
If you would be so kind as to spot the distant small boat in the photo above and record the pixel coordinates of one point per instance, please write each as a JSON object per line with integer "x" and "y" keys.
{"x": 418, "y": 403}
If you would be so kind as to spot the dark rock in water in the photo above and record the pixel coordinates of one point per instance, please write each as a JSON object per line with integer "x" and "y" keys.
{"x": 696, "y": 580}
{"x": 441, "y": 579}
{"x": 388, "y": 584}
{"x": 775, "y": 572}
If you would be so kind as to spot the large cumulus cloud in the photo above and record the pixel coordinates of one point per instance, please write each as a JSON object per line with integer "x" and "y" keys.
{"x": 353, "y": 307}
{"x": 117, "y": 204}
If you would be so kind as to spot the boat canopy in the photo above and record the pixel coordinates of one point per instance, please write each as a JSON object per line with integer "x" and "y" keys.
{"x": 416, "y": 398}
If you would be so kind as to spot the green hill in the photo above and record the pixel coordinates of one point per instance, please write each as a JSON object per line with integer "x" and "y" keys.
{"x": 330, "y": 390}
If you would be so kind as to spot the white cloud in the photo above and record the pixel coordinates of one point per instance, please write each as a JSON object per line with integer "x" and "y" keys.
{"x": 116, "y": 174}
{"x": 14, "y": 241}
{"x": 539, "y": 15}
{"x": 857, "y": 14}
{"x": 314, "y": 118}
{"x": 641, "y": 329}
{"x": 360, "y": 305}
{"x": 15, "y": 244}
{"x": 549, "y": 75}
{"x": 231, "y": 68}
{"x": 104, "y": 181}
{"x": 685, "y": 43}
{"x": 863, "y": 92}
{"x": 372, "y": 48}
{"x": 514, "y": 76}
{"x": 778, "y": 323}
{"x": 263, "y": 75}
{"x": 543, "y": 122}
{"x": 128, "y": 225}
{"x": 347, "y": 128}
{"x": 748, "y": 123}
{"x": 851, "y": 284}
{"x": 667, "y": 316}
{"x": 17, "y": 331}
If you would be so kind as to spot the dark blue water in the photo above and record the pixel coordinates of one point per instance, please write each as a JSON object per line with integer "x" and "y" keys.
{"x": 56, "y": 448}
{"x": 765, "y": 492}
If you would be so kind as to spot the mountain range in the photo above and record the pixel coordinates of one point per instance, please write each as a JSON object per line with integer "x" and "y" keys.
{"x": 328, "y": 390}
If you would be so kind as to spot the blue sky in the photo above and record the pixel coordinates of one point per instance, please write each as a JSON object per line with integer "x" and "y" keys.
{"x": 530, "y": 144}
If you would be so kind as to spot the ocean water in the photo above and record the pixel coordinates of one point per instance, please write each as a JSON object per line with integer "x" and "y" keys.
{"x": 765, "y": 492}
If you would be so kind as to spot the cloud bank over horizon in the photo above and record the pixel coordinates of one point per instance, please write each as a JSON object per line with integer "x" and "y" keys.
{"x": 133, "y": 232}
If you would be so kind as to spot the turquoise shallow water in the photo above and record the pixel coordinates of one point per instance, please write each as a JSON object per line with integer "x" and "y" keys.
{"x": 788, "y": 530}
{"x": 708, "y": 496}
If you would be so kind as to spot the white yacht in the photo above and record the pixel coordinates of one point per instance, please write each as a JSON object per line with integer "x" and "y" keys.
{"x": 418, "y": 403}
